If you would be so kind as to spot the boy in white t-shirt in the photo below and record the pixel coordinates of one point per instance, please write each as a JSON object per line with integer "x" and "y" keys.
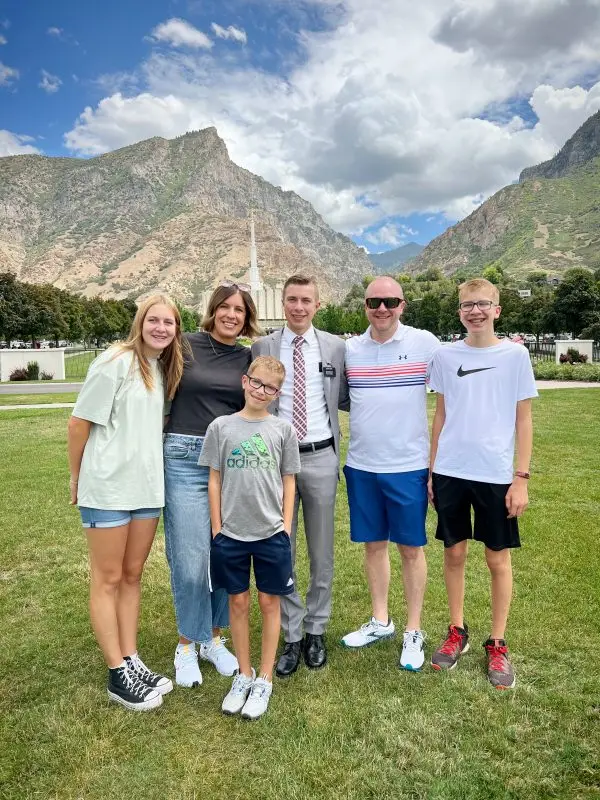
{"x": 484, "y": 387}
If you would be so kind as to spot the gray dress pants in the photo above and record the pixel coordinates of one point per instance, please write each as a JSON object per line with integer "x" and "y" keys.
{"x": 316, "y": 487}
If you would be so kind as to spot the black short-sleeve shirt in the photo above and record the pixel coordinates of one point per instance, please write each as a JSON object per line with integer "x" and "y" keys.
{"x": 211, "y": 385}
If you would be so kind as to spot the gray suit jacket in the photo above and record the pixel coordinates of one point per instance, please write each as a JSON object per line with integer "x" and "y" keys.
{"x": 333, "y": 350}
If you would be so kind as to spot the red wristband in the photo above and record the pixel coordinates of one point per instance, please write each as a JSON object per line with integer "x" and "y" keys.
{"x": 520, "y": 474}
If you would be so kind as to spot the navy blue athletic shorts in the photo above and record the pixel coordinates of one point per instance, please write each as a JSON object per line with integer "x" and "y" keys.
{"x": 230, "y": 561}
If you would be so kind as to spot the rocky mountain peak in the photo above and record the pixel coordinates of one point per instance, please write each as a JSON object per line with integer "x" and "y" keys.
{"x": 582, "y": 147}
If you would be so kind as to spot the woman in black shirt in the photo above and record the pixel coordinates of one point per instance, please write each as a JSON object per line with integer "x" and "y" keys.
{"x": 211, "y": 387}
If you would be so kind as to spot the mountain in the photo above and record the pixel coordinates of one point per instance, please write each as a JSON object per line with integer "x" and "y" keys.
{"x": 582, "y": 147}
{"x": 166, "y": 214}
{"x": 384, "y": 262}
{"x": 549, "y": 221}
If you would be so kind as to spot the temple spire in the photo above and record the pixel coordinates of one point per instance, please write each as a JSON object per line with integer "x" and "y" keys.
{"x": 255, "y": 282}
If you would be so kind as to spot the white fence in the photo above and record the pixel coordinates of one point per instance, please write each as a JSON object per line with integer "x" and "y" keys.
{"x": 50, "y": 361}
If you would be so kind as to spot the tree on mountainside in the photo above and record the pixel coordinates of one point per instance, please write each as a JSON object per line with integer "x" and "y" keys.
{"x": 577, "y": 300}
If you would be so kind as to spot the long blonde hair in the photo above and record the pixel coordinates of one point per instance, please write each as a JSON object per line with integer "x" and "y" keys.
{"x": 171, "y": 358}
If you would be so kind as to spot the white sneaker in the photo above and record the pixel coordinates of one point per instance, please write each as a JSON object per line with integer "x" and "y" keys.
{"x": 258, "y": 699}
{"x": 238, "y": 694}
{"x": 369, "y": 633}
{"x": 413, "y": 650}
{"x": 187, "y": 671}
{"x": 218, "y": 655}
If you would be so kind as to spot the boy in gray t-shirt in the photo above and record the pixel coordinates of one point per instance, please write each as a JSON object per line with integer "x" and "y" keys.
{"x": 253, "y": 459}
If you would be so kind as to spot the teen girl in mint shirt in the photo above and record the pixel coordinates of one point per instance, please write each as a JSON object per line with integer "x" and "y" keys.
{"x": 115, "y": 457}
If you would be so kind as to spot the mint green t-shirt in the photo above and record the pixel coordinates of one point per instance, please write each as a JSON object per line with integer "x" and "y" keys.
{"x": 122, "y": 465}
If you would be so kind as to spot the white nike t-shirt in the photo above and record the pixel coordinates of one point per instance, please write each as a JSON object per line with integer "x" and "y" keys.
{"x": 481, "y": 388}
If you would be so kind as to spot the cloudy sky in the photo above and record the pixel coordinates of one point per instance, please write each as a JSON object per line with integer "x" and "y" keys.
{"x": 394, "y": 118}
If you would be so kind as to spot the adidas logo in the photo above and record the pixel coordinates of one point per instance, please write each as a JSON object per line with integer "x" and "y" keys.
{"x": 290, "y": 582}
{"x": 252, "y": 453}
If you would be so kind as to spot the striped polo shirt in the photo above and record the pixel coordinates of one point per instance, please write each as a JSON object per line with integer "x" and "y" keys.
{"x": 389, "y": 431}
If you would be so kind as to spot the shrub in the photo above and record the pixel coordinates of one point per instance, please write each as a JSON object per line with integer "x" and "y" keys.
{"x": 46, "y": 376}
{"x": 19, "y": 374}
{"x": 548, "y": 371}
{"x": 572, "y": 356}
{"x": 33, "y": 371}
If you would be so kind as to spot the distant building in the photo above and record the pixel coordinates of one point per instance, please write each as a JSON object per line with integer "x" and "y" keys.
{"x": 266, "y": 298}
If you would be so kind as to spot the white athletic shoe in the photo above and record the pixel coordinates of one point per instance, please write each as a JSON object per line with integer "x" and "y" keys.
{"x": 238, "y": 694}
{"x": 369, "y": 633}
{"x": 187, "y": 671}
{"x": 258, "y": 699}
{"x": 413, "y": 650}
{"x": 218, "y": 655}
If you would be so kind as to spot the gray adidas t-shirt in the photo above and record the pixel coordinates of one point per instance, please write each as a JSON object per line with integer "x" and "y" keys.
{"x": 251, "y": 456}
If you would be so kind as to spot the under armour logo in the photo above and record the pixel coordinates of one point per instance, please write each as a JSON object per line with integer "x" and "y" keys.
{"x": 402, "y": 357}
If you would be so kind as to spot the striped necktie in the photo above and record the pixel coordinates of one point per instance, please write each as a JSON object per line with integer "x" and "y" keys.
{"x": 299, "y": 399}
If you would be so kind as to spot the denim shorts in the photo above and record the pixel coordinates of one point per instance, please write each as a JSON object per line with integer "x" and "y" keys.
{"x": 100, "y": 518}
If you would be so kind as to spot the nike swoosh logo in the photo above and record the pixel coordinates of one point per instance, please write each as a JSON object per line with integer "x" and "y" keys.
{"x": 462, "y": 372}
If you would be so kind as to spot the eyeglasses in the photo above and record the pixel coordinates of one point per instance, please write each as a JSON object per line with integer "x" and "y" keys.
{"x": 389, "y": 302}
{"x": 482, "y": 305}
{"x": 243, "y": 287}
{"x": 270, "y": 390}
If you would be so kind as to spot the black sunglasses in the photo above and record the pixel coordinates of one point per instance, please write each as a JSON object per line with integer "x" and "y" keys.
{"x": 389, "y": 302}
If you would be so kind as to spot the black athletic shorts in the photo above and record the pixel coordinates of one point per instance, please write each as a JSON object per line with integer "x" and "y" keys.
{"x": 231, "y": 559}
{"x": 453, "y": 499}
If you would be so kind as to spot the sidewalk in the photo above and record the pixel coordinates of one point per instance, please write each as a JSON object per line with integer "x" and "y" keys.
{"x": 38, "y": 405}
{"x": 566, "y": 385}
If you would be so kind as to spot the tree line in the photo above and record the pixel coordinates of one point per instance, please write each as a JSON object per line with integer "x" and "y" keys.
{"x": 31, "y": 312}
{"x": 572, "y": 306}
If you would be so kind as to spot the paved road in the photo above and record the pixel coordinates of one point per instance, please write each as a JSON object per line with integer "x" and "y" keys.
{"x": 39, "y": 388}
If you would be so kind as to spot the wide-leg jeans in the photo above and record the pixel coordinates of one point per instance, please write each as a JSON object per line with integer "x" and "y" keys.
{"x": 188, "y": 538}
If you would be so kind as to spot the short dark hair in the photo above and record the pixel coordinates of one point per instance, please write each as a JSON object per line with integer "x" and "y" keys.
{"x": 221, "y": 293}
{"x": 301, "y": 280}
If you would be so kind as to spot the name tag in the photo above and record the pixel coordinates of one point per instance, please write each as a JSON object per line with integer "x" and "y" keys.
{"x": 328, "y": 370}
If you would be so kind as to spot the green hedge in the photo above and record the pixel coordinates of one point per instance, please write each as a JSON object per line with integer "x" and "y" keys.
{"x": 549, "y": 371}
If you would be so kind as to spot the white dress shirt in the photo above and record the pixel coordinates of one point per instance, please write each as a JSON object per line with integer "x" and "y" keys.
{"x": 318, "y": 425}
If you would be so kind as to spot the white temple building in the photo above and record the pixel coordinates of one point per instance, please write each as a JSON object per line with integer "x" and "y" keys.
{"x": 267, "y": 299}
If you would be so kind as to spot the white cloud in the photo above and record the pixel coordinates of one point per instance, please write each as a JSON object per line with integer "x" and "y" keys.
{"x": 390, "y": 234}
{"x": 3, "y": 39}
{"x": 231, "y": 32}
{"x": 381, "y": 117}
{"x": 11, "y": 144}
{"x": 49, "y": 83}
{"x": 58, "y": 32}
{"x": 7, "y": 74}
{"x": 180, "y": 33}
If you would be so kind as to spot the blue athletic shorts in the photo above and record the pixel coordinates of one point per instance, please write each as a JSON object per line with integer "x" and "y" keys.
{"x": 230, "y": 561}
{"x": 387, "y": 506}
{"x": 100, "y": 518}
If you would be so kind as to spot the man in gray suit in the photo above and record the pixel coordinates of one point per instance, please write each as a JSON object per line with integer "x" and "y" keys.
{"x": 314, "y": 386}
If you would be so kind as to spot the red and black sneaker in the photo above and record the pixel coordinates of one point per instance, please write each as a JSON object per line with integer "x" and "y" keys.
{"x": 451, "y": 649}
{"x": 500, "y": 671}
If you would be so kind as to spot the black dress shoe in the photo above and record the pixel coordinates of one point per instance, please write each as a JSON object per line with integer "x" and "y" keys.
{"x": 315, "y": 652}
{"x": 289, "y": 660}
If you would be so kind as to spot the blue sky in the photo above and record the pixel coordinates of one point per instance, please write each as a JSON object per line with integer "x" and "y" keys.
{"x": 393, "y": 120}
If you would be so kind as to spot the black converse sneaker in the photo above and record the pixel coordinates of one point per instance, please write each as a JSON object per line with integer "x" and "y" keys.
{"x": 136, "y": 667}
{"x": 127, "y": 689}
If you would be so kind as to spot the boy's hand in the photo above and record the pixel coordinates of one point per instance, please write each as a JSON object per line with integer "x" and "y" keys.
{"x": 430, "y": 490}
{"x": 73, "y": 491}
{"x": 517, "y": 497}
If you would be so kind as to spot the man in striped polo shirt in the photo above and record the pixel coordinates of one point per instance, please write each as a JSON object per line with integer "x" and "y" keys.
{"x": 388, "y": 456}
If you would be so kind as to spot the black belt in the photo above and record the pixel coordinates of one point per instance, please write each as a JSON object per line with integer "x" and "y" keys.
{"x": 312, "y": 447}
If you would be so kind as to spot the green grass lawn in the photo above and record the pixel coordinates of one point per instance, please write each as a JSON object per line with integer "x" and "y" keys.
{"x": 76, "y": 367}
{"x": 360, "y": 728}
{"x": 34, "y": 399}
